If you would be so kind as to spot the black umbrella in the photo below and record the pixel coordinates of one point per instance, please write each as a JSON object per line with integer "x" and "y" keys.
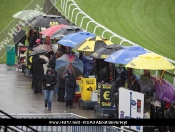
{"x": 37, "y": 52}
{"x": 104, "y": 52}
{"x": 47, "y": 21}
{"x": 65, "y": 31}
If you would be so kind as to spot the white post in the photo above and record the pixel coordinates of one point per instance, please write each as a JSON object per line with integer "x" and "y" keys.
{"x": 83, "y": 20}
{"x": 69, "y": 9}
{"x": 73, "y": 13}
{"x": 104, "y": 32}
{"x": 77, "y": 16}
{"x": 156, "y": 73}
{"x": 64, "y": 1}
{"x": 112, "y": 37}
{"x": 66, "y": 6}
{"x": 88, "y": 24}
{"x": 95, "y": 28}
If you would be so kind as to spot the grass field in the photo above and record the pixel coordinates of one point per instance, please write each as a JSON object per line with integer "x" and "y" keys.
{"x": 8, "y": 8}
{"x": 149, "y": 23}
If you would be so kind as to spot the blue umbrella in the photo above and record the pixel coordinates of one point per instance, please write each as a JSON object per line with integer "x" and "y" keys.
{"x": 69, "y": 61}
{"x": 125, "y": 55}
{"x": 74, "y": 38}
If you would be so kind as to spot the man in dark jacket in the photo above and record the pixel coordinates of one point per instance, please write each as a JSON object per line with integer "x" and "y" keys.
{"x": 170, "y": 114}
{"x": 70, "y": 86}
{"x": 61, "y": 88}
{"x": 37, "y": 72}
{"x": 135, "y": 86}
{"x": 49, "y": 82}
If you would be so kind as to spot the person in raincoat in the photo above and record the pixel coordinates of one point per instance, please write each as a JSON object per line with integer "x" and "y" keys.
{"x": 61, "y": 88}
{"x": 70, "y": 86}
{"x": 170, "y": 114}
{"x": 37, "y": 71}
{"x": 135, "y": 86}
{"x": 49, "y": 82}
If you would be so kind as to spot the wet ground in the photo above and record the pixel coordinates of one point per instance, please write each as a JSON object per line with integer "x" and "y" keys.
{"x": 17, "y": 96}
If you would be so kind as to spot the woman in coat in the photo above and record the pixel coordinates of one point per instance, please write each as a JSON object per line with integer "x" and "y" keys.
{"x": 49, "y": 82}
{"x": 70, "y": 86}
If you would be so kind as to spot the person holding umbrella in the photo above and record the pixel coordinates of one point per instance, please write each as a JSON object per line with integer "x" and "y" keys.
{"x": 49, "y": 81}
{"x": 37, "y": 71}
{"x": 70, "y": 86}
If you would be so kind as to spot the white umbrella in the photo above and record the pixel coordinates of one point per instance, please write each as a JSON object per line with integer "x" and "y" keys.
{"x": 27, "y": 14}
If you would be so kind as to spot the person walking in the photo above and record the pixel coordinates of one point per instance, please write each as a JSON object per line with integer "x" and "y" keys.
{"x": 170, "y": 114}
{"x": 37, "y": 71}
{"x": 49, "y": 82}
{"x": 70, "y": 86}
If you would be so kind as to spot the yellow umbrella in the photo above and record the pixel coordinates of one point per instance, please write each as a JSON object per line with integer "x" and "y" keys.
{"x": 150, "y": 61}
{"x": 92, "y": 44}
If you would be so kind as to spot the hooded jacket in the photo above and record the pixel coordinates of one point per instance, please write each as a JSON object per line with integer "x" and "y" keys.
{"x": 70, "y": 85}
{"x": 170, "y": 114}
{"x": 49, "y": 79}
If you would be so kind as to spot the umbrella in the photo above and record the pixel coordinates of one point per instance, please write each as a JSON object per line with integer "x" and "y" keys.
{"x": 65, "y": 31}
{"x": 48, "y": 21}
{"x": 37, "y": 52}
{"x": 27, "y": 14}
{"x": 51, "y": 30}
{"x": 164, "y": 89}
{"x": 65, "y": 61}
{"x": 104, "y": 52}
{"x": 126, "y": 55}
{"x": 44, "y": 47}
{"x": 74, "y": 38}
{"x": 92, "y": 44}
{"x": 150, "y": 61}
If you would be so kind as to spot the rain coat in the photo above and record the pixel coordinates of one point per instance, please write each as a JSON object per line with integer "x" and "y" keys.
{"x": 70, "y": 85}
{"x": 170, "y": 114}
{"x": 49, "y": 79}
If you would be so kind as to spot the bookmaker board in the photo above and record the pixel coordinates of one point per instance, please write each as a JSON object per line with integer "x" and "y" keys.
{"x": 131, "y": 106}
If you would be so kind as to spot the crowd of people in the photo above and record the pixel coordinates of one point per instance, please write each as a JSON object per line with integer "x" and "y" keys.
{"x": 45, "y": 80}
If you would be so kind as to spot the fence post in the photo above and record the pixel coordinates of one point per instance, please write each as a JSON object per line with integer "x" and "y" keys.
{"x": 83, "y": 20}
{"x": 66, "y": 6}
{"x": 95, "y": 28}
{"x": 73, "y": 13}
{"x": 88, "y": 24}
{"x": 69, "y": 9}
{"x": 104, "y": 32}
{"x": 77, "y": 16}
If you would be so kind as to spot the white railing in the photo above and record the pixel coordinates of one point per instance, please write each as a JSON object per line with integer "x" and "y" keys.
{"x": 66, "y": 6}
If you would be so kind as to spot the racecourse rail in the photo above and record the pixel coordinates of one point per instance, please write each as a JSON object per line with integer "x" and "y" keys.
{"x": 68, "y": 8}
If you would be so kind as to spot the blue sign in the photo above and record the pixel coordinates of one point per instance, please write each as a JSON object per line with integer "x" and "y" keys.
{"x": 133, "y": 102}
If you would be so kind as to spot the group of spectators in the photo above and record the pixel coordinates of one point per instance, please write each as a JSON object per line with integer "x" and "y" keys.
{"x": 50, "y": 81}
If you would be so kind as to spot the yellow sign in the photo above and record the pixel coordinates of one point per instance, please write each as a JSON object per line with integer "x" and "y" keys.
{"x": 95, "y": 54}
{"x": 104, "y": 56}
{"x": 106, "y": 95}
{"x": 106, "y": 104}
{"x": 89, "y": 82}
{"x": 53, "y": 23}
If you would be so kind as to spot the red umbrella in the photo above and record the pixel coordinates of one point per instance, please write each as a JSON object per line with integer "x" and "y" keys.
{"x": 51, "y": 30}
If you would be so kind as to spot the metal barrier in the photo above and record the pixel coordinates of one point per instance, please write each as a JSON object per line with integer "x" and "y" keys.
{"x": 66, "y": 6}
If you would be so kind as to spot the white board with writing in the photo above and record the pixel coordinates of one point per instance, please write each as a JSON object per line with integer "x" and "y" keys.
{"x": 131, "y": 106}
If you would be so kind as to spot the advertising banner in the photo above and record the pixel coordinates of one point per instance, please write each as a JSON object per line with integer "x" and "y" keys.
{"x": 131, "y": 106}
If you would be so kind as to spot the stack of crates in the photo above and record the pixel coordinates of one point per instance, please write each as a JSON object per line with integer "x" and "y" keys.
{"x": 88, "y": 85}
{"x": 104, "y": 95}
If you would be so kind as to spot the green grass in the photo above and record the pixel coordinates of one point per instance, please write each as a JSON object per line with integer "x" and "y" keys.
{"x": 7, "y": 9}
{"x": 148, "y": 23}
